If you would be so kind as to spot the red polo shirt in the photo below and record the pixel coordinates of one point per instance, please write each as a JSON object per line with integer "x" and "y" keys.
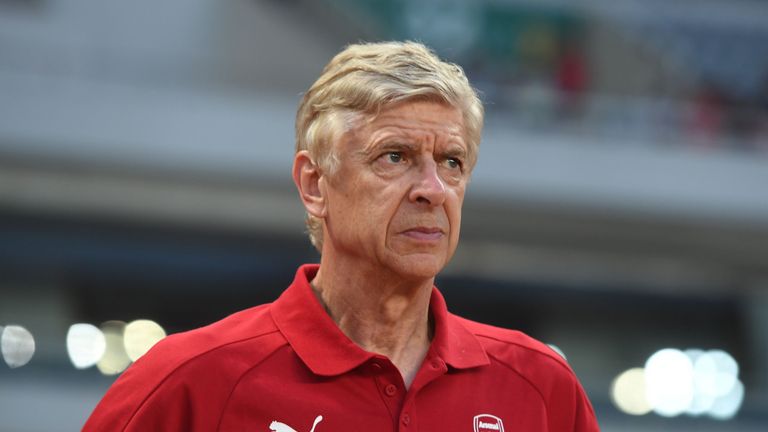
{"x": 287, "y": 367}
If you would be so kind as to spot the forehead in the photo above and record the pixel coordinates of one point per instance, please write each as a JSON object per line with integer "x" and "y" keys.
{"x": 428, "y": 118}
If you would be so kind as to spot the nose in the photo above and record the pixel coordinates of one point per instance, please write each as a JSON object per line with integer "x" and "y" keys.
{"x": 428, "y": 187}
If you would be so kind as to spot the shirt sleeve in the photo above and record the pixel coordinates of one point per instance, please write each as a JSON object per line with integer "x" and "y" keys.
{"x": 158, "y": 394}
{"x": 584, "y": 417}
{"x": 568, "y": 407}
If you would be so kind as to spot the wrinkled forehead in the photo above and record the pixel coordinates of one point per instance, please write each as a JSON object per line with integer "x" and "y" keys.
{"x": 414, "y": 115}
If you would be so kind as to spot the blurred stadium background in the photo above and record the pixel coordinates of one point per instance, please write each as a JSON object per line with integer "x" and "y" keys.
{"x": 619, "y": 209}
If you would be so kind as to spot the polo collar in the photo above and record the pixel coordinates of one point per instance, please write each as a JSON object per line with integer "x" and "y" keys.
{"x": 327, "y": 351}
{"x": 453, "y": 342}
{"x": 311, "y": 332}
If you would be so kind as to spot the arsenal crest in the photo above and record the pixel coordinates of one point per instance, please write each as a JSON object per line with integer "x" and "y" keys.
{"x": 488, "y": 423}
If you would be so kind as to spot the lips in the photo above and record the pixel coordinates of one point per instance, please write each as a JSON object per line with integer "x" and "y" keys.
{"x": 424, "y": 233}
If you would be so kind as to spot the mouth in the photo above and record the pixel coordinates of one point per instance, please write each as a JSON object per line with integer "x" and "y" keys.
{"x": 424, "y": 233}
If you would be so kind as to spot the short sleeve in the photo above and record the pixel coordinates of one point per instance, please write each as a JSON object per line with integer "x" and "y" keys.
{"x": 155, "y": 394}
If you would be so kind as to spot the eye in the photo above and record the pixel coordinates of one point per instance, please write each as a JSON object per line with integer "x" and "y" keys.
{"x": 391, "y": 162}
{"x": 394, "y": 157}
{"x": 453, "y": 163}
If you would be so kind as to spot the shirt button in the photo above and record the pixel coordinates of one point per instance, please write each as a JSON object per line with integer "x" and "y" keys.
{"x": 406, "y": 419}
{"x": 435, "y": 364}
{"x": 390, "y": 390}
{"x": 376, "y": 367}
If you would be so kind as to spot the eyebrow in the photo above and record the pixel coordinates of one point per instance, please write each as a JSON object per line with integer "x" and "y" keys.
{"x": 393, "y": 145}
{"x": 456, "y": 151}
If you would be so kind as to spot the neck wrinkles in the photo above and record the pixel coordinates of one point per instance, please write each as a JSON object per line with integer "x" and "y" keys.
{"x": 391, "y": 319}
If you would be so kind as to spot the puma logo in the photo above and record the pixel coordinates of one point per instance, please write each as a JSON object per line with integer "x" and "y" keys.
{"x": 276, "y": 426}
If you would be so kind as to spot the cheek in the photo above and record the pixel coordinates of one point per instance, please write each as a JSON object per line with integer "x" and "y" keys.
{"x": 453, "y": 211}
{"x": 385, "y": 209}
{"x": 454, "y": 205}
{"x": 371, "y": 209}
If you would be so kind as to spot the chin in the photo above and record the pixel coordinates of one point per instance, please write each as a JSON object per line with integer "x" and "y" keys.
{"x": 418, "y": 266}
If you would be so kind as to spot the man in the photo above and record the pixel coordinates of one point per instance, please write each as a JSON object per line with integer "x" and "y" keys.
{"x": 386, "y": 141}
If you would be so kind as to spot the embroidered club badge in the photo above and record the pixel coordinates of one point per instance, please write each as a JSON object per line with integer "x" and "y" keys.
{"x": 488, "y": 423}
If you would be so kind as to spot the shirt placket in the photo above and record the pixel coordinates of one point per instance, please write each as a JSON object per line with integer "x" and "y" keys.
{"x": 399, "y": 402}
{"x": 433, "y": 368}
{"x": 390, "y": 386}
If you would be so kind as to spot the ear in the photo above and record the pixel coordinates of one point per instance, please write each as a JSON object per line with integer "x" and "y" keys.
{"x": 308, "y": 179}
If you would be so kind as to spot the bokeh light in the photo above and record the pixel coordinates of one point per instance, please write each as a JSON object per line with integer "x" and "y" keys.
{"x": 140, "y": 336}
{"x": 669, "y": 382}
{"x": 628, "y": 392}
{"x": 725, "y": 407}
{"x": 17, "y": 345}
{"x": 557, "y": 349}
{"x": 673, "y": 382}
{"x": 716, "y": 373}
{"x": 702, "y": 401}
{"x": 86, "y": 345}
{"x": 115, "y": 359}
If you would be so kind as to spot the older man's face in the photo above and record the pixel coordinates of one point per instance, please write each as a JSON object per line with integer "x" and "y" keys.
{"x": 395, "y": 200}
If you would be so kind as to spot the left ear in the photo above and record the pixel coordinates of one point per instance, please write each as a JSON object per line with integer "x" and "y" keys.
{"x": 308, "y": 179}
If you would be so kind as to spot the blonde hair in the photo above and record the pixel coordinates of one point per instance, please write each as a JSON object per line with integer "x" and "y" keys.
{"x": 365, "y": 78}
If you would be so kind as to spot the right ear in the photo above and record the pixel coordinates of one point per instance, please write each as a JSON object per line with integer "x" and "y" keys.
{"x": 308, "y": 179}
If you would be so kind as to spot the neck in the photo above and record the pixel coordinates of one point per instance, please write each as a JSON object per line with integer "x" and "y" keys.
{"x": 380, "y": 312}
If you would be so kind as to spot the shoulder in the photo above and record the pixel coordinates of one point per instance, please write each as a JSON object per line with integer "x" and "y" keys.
{"x": 543, "y": 369}
{"x": 230, "y": 335}
{"x": 249, "y": 334}
{"x": 189, "y": 372}
{"x": 521, "y": 354}
{"x": 499, "y": 340}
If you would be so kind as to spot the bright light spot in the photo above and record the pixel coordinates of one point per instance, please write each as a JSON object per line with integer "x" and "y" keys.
{"x": 726, "y": 406}
{"x": 115, "y": 360}
{"x": 701, "y": 402}
{"x": 724, "y": 372}
{"x": 557, "y": 349}
{"x": 715, "y": 374}
{"x": 17, "y": 345}
{"x": 669, "y": 382}
{"x": 695, "y": 382}
{"x": 85, "y": 345}
{"x": 140, "y": 336}
{"x": 628, "y": 392}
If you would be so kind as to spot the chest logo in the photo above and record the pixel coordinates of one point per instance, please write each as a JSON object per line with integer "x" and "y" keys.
{"x": 488, "y": 423}
{"x": 276, "y": 426}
